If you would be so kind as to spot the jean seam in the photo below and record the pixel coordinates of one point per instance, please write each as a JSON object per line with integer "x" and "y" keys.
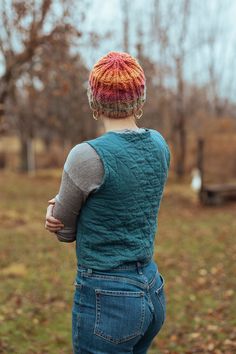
{"x": 162, "y": 306}
{"x": 115, "y": 278}
{"x": 75, "y": 333}
{"x": 158, "y": 294}
{"x": 119, "y": 293}
{"x": 152, "y": 282}
{"x": 161, "y": 286}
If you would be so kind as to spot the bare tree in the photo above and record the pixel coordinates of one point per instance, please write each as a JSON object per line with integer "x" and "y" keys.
{"x": 24, "y": 30}
{"x": 125, "y": 15}
{"x": 170, "y": 28}
{"x": 19, "y": 38}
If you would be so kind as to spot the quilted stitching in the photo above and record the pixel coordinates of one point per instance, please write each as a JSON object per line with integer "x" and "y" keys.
{"x": 104, "y": 238}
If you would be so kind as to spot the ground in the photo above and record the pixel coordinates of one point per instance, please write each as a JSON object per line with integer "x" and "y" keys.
{"x": 195, "y": 251}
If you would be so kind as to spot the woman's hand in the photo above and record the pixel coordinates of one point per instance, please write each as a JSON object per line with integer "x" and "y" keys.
{"x": 52, "y": 224}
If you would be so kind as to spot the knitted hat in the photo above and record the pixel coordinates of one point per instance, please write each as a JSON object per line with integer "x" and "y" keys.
{"x": 116, "y": 85}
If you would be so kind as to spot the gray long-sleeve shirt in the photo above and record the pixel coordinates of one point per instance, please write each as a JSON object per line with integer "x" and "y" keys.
{"x": 82, "y": 173}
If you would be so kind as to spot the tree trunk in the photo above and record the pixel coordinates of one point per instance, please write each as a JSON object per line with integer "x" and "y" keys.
{"x": 180, "y": 125}
{"x": 23, "y": 155}
{"x": 27, "y": 156}
{"x": 30, "y": 156}
{"x": 180, "y": 163}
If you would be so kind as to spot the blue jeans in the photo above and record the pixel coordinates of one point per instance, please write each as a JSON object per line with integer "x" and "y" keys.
{"x": 119, "y": 310}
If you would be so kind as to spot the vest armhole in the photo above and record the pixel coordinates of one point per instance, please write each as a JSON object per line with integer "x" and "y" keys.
{"x": 160, "y": 136}
{"x": 162, "y": 140}
{"x": 106, "y": 172}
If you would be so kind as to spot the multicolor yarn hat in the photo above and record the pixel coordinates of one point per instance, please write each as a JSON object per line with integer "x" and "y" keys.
{"x": 117, "y": 85}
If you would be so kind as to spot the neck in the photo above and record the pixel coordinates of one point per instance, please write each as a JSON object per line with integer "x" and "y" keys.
{"x": 119, "y": 124}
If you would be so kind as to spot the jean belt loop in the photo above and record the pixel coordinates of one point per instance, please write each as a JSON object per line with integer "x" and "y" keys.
{"x": 89, "y": 270}
{"x": 139, "y": 268}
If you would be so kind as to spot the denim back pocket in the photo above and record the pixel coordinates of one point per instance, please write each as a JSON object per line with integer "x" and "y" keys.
{"x": 119, "y": 314}
{"x": 160, "y": 293}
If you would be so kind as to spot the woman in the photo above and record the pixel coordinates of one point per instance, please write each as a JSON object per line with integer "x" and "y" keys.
{"x": 108, "y": 203}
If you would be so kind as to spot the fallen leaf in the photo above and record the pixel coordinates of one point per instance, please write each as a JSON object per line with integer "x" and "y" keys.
{"x": 15, "y": 270}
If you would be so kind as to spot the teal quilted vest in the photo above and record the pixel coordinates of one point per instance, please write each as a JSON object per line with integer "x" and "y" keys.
{"x": 118, "y": 222}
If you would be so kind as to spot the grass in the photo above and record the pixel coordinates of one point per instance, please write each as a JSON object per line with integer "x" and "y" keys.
{"x": 195, "y": 252}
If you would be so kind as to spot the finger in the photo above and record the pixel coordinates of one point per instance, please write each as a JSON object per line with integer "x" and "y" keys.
{"x": 50, "y": 217}
{"x": 52, "y": 228}
{"x": 53, "y": 220}
{"x": 52, "y": 201}
{"x": 49, "y": 211}
{"x": 53, "y": 224}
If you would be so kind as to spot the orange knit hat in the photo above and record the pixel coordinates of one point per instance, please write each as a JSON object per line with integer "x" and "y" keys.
{"x": 117, "y": 85}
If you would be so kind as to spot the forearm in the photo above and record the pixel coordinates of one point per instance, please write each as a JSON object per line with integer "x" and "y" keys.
{"x": 60, "y": 212}
{"x": 82, "y": 174}
{"x": 65, "y": 238}
{"x": 68, "y": 203}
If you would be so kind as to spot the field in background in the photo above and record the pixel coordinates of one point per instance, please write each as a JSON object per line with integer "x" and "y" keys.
{"x": 219, "y": 152}
{"x": 195, "y": 252}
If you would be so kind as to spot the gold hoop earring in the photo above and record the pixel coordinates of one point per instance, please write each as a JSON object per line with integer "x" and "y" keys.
{"x": 138, "y": 116}
{"x": 95, "y": 114}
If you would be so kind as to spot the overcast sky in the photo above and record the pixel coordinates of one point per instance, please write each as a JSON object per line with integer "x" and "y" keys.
{"x": 106, "y": 15}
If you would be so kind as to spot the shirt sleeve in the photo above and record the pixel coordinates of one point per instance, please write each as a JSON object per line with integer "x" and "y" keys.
{"x": 82, "y": 174}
